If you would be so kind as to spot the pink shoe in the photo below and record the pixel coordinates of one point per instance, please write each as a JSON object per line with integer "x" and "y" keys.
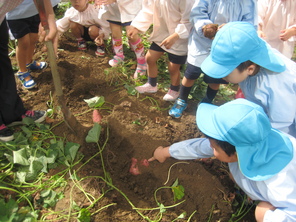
{"x": 141, "y": 70}
{"x": 171, "y": 95}
{"x": 146, "y": 88}
{"x": 115, "y": 61}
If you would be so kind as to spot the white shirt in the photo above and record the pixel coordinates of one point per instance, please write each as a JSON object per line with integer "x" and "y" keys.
{"x": 168, "y": 17}
{"x": 274, "y": 16}
{"x": 86, "y": 18}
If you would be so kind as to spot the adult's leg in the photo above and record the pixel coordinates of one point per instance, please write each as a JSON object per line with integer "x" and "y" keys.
{"x": 11, "y": 105}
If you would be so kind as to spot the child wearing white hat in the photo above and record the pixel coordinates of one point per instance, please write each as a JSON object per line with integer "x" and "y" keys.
{"x": 261, "y": 159}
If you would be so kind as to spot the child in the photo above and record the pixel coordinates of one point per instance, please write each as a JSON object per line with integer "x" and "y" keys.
{"x": 279, "y": 33}
{"x": 262, "y": 160}
{"x": 205, "y": 12}
{"x": 23, "y": 22}
{"x": 82, "y": 19}
{"x": 265, "y": 76}
{"x": 119, "y": 14}
{"x": 11, "y": 106}
{"x": 170, "y": 34}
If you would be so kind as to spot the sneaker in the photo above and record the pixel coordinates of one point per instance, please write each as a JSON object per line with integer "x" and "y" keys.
{"x": 82, "y": 45}
{"x": 28, "y": 83}
{"x": 115, "y": 61}
{"x": 33, "y": 66}
{"x": 179, "y": 106}
{"x": 37, "y": 116}
{"x": 146, "y": 88}
{"x": 171, "y": 95}
{"x": 5, "y": 134}
{"x": 100, "y": 51}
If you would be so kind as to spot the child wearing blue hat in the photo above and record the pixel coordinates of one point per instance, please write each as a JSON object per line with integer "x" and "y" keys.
{"x": 265, "y": 76}
{"x": 261, "y": 159}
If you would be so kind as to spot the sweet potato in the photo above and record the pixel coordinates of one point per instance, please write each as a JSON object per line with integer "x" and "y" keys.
{"x": 97, "y": 117}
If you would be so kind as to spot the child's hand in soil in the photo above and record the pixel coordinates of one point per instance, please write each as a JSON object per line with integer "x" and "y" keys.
{"x": 99, "y": 40}
{"x": 160, "y": 154}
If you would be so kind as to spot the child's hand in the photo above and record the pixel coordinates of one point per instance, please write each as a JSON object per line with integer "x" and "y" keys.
{"x": 104, "y": 2}
{"x": 160, "y": 154}
{"x": 287, "y": 33}
{"x": 170, "y": 41}
{"x": 99, "y": 40}
{"x": 210, "y": 30}
{"x": 261, "y": 34}
{"x": 132, "y": 32}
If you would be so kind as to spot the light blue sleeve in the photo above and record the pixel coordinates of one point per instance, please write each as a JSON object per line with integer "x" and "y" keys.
{"x": 196, "y": 148}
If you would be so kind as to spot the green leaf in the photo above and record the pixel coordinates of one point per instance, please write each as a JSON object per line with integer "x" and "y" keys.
{"x": 130, "y": 89}
{"x": 84, "y": 215}
{"x": 95, "y": 102}
{"x": 21, "y": 157}
{"x": 28, "y": 121}
{"x": 178, "y": 192}
{"x": 162, "y": 208}
{"x": 49, "y": 198}
{"x": 94, "y": 134}
{"x": 71, "y": 150}
{"x": 27, "y": 131}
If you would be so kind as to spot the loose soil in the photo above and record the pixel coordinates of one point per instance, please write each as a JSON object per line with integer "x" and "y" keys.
{"x": 133, "y": 127}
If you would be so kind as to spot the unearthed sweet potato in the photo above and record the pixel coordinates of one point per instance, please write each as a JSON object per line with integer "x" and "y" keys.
{"x": 97, "y": 117}
{"x": 134, "y": 169}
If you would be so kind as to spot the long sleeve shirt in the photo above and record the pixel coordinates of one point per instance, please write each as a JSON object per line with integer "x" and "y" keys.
{"x": 168, "y": 17}
{"x": 274, "y": 16}
{"x": 86, "y": 18}
{"x": 276, "y": 94}
{"x": 279, "y": 190}
{"x": 217, "y": 12}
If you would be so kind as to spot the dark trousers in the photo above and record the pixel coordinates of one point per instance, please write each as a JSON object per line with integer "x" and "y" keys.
{"x": 11, "y": 105}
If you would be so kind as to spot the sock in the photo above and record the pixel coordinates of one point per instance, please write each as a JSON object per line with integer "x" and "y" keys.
{"x": 80, "y": 39}
{"x": 152, "y": 81}
{"x": 184, "y": 92}
{"x": 175, "y": 88}
{"x": 118, "y": 47}
{"x": 210, "y": 95}
{"x": 138, "y": 48}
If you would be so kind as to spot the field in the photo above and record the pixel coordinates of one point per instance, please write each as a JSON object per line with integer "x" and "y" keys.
{"x": 88, "y": 172}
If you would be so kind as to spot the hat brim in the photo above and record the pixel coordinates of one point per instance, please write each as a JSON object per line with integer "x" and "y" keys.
{"x": 215, "y": 70}
{"x": 205, "y": 122}
{"x": 253, "y": 160}
{"x": 265, "y": 57}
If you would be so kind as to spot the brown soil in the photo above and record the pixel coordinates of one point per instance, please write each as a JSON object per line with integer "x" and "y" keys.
{"x": 134, "y": 127}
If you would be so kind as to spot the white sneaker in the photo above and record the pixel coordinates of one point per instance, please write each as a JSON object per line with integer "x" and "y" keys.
{"x": 146, "y": 88}
{"x": 100, "y": 51}
{"x": 171, "y": 95}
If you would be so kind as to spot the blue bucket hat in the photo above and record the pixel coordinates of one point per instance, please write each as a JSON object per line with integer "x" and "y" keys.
{"x": 235, "y": 43}
{"x": 261, "y": 150}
